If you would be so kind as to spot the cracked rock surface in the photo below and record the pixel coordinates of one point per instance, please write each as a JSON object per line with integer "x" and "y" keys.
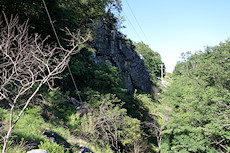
{"x": 111, "y": 46}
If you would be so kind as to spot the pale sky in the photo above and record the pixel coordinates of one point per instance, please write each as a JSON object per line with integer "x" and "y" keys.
{"x": 171, "y": 27}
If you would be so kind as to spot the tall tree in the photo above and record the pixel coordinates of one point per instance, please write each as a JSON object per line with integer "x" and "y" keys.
{"x": 152, "y": 59}
{"x": 74, "y": 14}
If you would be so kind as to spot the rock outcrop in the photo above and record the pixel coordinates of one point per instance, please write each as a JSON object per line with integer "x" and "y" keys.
{"x": 111, "y": 46}
{"x": 37, "y": 151}
{"x": 50, "y": 135}
{"x": 84, "y": 149}
{"x": 80, "y": 107}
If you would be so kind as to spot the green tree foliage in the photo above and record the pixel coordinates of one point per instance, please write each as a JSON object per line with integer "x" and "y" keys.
{"x": 74, "y": 14}
{"x": 87, "y": 11}
{"x": 100, "y": 77}
{"x": 107, "y": 122}
{"x": 199, "y": 98}
{"x": 179, "y": 68}
{"x": 152, "y": 59}
{"x": 112, "y": 117}
{"x": 35, "y": 12}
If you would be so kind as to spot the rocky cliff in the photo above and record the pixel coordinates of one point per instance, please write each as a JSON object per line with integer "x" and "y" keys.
{"x": 111, "y": 46}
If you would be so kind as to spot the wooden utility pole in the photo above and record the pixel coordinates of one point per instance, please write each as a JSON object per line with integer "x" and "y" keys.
{"x": 162, "y": 75}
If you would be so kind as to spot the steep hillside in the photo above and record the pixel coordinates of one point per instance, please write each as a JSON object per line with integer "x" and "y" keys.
{"x": 112, "y": 108}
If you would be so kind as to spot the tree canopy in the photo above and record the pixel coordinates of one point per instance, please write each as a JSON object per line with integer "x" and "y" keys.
{"x": 199, "y": 98}
{"x": 152, "y": 59}
{"x": 74, "y": 14}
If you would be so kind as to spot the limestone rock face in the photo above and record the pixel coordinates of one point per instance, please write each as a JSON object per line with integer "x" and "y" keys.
{"x": 111, "y": 46}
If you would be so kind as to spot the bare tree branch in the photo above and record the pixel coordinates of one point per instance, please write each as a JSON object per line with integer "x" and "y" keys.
{"x": 27, "y": 63}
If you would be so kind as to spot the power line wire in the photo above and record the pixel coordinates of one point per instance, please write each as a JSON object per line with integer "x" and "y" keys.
{"x": 132, "y": 26}
{"x": 55, "y": 33}
{"x": 137, "y": 21}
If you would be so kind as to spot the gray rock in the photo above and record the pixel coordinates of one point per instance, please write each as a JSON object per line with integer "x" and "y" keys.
{"x": 37, "y": 151}
{"x": 111, "y": 46}
{"x": 73, "y": 101}
{"x": 84, "y": 149}
{"x": 82, "y": 108}
{"x": 128, "y": 82}
{"x": 52, "y": 137}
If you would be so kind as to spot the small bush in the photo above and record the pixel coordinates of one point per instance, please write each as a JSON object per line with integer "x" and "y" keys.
{"x": 16, "y": 147}
{"x": 52, "y": 147}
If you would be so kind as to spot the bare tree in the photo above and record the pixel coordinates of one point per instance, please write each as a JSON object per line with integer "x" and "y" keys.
{"x": 140, "y": 145}
{"x": 155, "y": 128}
{"x": 104, "y": 124}
{"x": 27, "y": 63}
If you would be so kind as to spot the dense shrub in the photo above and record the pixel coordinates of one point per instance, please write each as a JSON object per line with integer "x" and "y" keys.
{"x": 52, "y": 147}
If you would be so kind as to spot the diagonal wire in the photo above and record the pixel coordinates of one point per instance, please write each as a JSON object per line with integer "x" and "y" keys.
{"x": 55, "y": 33}
{"x": 137, "y": 21}
{"x": 126, "y": 17}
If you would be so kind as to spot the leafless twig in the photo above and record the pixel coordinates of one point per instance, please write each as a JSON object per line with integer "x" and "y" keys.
{"x": 27, "y": 63}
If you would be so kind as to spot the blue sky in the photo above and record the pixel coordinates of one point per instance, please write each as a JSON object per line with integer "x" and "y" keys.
{"x": 171, "y": 27}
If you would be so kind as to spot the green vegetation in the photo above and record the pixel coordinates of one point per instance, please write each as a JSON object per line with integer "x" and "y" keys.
{"x": 152, "y": 59}
{"x": 190, "y": 115}
{"x": 199, "y": 99}
{"x": 99, "y": 77}
{"x": 73, "y": 14}
{"x": 108, "y": 119}
{"x": 52, "y": 147}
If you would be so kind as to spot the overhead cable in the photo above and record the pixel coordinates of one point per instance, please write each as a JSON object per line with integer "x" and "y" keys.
{"x": 55, "y": 33}
{"x": 126, "y": 17}
{"x": 137, "y": 21}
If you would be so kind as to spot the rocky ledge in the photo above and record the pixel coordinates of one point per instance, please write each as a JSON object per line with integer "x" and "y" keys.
{"x": 111, "y": 46}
